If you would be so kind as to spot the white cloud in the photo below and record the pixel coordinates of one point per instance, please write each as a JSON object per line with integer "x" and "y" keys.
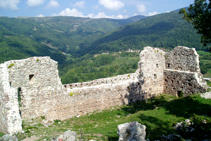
{"x": 141, "y": 8}
{"x": 9, "y": 4}
{"x": 53, "y": 4}
{"x": 125, "y": 11}
{"x": 70, "y": 12}
{"x": 80, "y": 4}
{"x": 33, "y": 3}
{"x": 112, "y": 4}
{"x": 74, "y": 12}
{"x": 153, "y": 13}
{"x": 103, "y": 15}
{"x": 40, "y": 15}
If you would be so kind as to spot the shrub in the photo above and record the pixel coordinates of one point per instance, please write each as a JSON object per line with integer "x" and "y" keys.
{"x": 11, "y": 65}
{"x": 71, "y": 94}
{"x": 42, "y": 117}
{"x": 181, "y": 94}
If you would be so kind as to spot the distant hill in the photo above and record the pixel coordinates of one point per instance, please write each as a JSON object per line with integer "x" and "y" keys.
{"x": 165, "y": 30}
{"x": 136, "y": 18}
{"x": 25, "y": 37}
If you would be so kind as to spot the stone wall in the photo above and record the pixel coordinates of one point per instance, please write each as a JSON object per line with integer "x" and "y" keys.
{"x": 182, "y": 81}
{"x": 182, "y": 72}
{"x": 182, "y": 58}
{"x": 79, "y": 99}
{"x": 36, "y": 80}
{"x": 33, "y": 72}
{"x": 10, "y": 120}
{"x": 151, "y": 67}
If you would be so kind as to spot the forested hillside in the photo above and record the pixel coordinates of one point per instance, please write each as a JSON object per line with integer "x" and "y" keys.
{"x": 165, "y": 30}
{"x": 73, "y": 42}
{"x": 25, "y": 37}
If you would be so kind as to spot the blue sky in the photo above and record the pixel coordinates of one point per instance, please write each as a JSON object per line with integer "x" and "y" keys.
{"x": 117, "y": 9}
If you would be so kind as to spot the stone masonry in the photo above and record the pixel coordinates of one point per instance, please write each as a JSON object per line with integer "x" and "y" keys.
{"x": 32, "y": 88}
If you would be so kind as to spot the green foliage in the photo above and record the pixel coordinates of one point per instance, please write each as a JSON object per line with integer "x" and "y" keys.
{"x": 23, "y": 37}
{"x": 11, "y": 65}
{"x": 166, "y": 30}
{"x": 181, "y": 94}
{"x": 89, "y": 68}
{"x": 42, "y": 117}
{"x": 1, "y": 134}
{"x": 71, "y": 94}
{"x": 199, "y": 14}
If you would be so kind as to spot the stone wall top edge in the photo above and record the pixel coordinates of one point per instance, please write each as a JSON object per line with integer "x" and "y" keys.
{"x": 30, "y": 59}
{"x": 129, "y": 76}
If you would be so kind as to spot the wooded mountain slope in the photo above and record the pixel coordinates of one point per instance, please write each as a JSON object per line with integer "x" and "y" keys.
{"x": 25, "y": 37}
{"x": 165, "y": 30}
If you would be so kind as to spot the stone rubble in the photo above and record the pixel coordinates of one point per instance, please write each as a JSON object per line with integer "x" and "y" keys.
{"x": 206, "y": 95}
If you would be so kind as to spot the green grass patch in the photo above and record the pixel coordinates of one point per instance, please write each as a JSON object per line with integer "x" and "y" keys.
{"x": 159, "y": 115}
{"x": 11, "y": 65}
{"x": 1, "y": 134}
{"x": 208, "y": 83}
{"x": 208, "y": 74}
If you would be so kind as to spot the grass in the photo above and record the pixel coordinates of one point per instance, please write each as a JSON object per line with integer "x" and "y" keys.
{"x": 208, "y": 83}
{"x": 103, "y": 125}
{"x": 208, "y": 74}
{"x": 1, "y": 134}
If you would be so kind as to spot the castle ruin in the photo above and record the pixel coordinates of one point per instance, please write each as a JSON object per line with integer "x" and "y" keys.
{"x": 32, "y": 88}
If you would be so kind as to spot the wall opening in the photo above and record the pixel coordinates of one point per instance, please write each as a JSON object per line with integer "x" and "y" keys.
{"x": 10, "y": 84}
{"x": 155, "y": 76}
{"x": 19, "y": 96}
{"x": 31, "y": 76}
{"x": 157, "y": 65}
{"x": 179, "y": 93}
{"x": 168, "y": 65}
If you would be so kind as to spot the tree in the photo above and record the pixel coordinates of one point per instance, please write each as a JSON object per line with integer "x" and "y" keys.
{"x": 199, "y": 14}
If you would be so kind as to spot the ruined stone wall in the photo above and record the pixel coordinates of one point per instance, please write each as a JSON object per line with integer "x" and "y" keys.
{"x": 33, "y": 72}
{"x": 10, "y": 120}
{"x": 182, "y": 72}
{"x": 42, "y": 94}
{"x": 176, "y": 82}
{"x": 182, "y": 58}
{"x": 79, "y": 98}
{"x": 112, "y": 80}
{"x": 150, "y": 68}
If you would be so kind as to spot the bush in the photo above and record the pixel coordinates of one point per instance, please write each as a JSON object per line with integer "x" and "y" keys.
{"x": 71, "y": 94}
{"x": 11, "y": 65}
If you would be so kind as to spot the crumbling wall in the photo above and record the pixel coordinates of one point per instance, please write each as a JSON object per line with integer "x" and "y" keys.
{"x": 182, "y": 58}
{"x": 182, "y": 81}
{"x": 33, "y": 72}
{"x": 151, "y": 68}
{"x": 182, "y": 72}
{"x": 78, "y": 98}
{"x": 42, "y": 94}
{"x": 10, "y": 120}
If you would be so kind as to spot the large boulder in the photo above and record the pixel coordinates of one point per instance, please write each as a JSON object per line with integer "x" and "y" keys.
{"x": 7, "y": 137}
{"x": 132, "y": 131}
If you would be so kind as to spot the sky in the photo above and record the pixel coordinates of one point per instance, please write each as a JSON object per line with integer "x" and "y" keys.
{"x": 115, "y": 9}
